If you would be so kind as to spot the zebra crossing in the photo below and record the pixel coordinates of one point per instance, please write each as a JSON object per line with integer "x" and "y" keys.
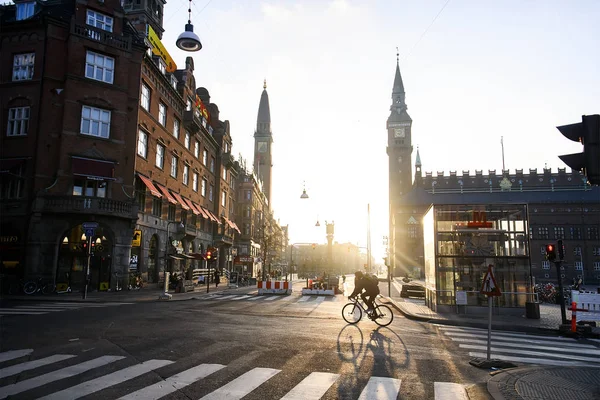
{"x": 51, "y": 307}
{"x": 271, "y": 298}
{"x": 524, "y": 348}
{"x": 68, "y": 380}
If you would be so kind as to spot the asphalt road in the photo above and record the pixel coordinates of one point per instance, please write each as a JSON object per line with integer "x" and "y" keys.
{"x": 250, "y": 346}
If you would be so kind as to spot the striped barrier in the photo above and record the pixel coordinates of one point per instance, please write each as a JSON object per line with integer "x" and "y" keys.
{"x": 274, "y": 287}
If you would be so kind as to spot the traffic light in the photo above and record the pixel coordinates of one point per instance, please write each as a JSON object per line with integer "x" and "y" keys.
{"x": 561, "y": 250}
{"x": 314, "y": 245}
{"x": 588, "y": 133}
{"x": 550, "y": 252}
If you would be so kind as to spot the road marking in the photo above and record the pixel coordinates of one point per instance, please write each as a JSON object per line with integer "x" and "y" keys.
{"x": 271, "y": 298}
{"x": 95, "y": 385}
{"x": 313, "y": 387}
{"x": 254, "y": 298}
{"x": 44, "y": 309}
{"x": 320, "y": 299}
{"x": 17, "y": 312}
{"x": 225, "y": 297}
{"x": 12, "y": 354}
{"x": 503, "y": 333}
{"x": 56, "y": 375}
{"x": 304, "y": 298}
{"x": 381, "y": 389}
{"x": 242, "y": 385}
{"x": 529, "y": 360}
{"x": 18, "y": 368}
{"x": 583, "y": 349}
{"x": 496, "y": 350}
{"x": 516, "y": 340}
{"x": 174, "y": 383}
{"x": 449, "y": 391}
{"x": 241, "y": 297}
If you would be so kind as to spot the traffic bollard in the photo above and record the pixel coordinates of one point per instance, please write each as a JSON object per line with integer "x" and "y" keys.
{"x": 573, "y": 317}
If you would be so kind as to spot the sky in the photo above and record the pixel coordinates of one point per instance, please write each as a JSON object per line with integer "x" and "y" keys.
{"x": 473, "y": 72}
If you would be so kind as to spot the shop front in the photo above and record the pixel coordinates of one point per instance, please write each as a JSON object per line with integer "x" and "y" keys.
{"x": 461, "y": 241}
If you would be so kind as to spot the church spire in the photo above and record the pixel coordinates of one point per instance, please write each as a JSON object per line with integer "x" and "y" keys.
{"x": 418, "y": 175}
{"x": 263, "y": 122}
{"x": 418, "y": 160}
{"x": 398, "y": 95}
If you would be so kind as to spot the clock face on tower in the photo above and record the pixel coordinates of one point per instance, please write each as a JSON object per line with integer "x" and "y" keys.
{"x": 262, "y": 147}
{"x": 399, "y": 132}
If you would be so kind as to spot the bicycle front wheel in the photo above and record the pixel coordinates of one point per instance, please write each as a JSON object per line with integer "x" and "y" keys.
{"x": 30, "y": 287}
{"x": 351, "y": 313}
{"x": 384, "y": 315}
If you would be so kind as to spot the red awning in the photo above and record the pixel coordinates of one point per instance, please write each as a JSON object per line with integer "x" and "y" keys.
{"x": 167, "y": 194}
{"x": 183, "y": 204}
{"x": 7, "y": 165}
{"x": 228, "y": 222}
{"x": 236, "y": 227}
{"x": 202, "y": 212}
{"x": 150, "y": 186}
{"x": 97, "y": 169}
{"x": 189, "y": 203}
{"x": 212, "y": 216}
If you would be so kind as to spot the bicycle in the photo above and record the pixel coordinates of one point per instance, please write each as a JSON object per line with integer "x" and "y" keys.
{"x": 352, "y": 312}
{"x": 38, "y": 285}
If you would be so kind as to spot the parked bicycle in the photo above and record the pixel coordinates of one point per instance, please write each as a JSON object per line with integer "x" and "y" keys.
{"x": 38, "y": 285}
{"x": 352, "y": 312}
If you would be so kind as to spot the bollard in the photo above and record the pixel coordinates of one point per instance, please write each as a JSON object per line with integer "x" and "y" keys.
{"x": 573, "y": 317}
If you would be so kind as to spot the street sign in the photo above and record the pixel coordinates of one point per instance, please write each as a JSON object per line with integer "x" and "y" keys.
{"x": 136, "y": 241}
{"x": 489, "y": 286}
{"x": 89, "y": 225}
{"x": 89, "y": 232}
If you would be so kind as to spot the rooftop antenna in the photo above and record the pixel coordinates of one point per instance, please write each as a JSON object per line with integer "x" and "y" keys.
{"x": 502, "y": 144}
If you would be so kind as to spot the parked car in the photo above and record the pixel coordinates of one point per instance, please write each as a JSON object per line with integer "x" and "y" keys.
{"x": 412, "y": 291}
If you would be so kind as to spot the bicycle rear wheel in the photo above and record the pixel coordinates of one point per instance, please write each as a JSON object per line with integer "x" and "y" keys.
{"x": 352, "y": 313}
{"x": 383, "y": 315}
{"x": 30, "y": 287}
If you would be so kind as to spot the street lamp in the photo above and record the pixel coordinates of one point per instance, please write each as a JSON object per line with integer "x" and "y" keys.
{"x": 188, "y": 40}
{"x": 304, "y": 195}
{"x": 166, "y": 295}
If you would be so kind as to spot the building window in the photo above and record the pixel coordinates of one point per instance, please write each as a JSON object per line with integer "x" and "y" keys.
{"x": 204, "y": 156}
{"x": 248, "y": 194}
{"x": 212, "y": 165}
{"x": 225, "y": 174}
{"x": 162, "y": 115}
{"x": 195, "y": 182}
{"x": 186, "y": 141}
{"x": 412, "y": 232}
{"x": 211, "y": 195}
{"x": 98, "y": 20}
{"x": 223, "y": 198}
{"x": 25, "y": 10}
{"x": 246, "y": 228}
{"x": 248, "y": 211}
{"x": 576, "y": 233}
{"x": 592, "y": 233}
{"x": 23, "y": 66}
{"x": 156, "y": 207}
{"x": 176, "y": 128}
{"x": 99, "y": 67}
{"x": 203, "y": 188}
{"x": 596, "y": 265}
{"x": 577, "y": 251}
{"x": 543, "y": 233}
{"x": 596, "y": 251}
{"x": 578, "y": 266}
{"x": 162, "y": 66}
{"x": 142, "y": 148}
{"x": 186, "y": 174}
{"x": 160, "y": 156}
{"x": 559, "y": 232}
{"x": 188, "y": 105}
{"x": 12, "y": 184}
{"x": 95, "y": 122}
{"x": 89, "y": 188}
{"x": 196, "y": 149}
{"x": 18, "y": 121}
{"x": 545, "y": 264}
{"x": 145, "y": 100}
{"x": 171, "y": 212}
{"x": 173, "y": 81}
{"x": 174, "y": 166}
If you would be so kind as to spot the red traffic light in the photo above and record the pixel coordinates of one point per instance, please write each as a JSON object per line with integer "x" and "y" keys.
{"x": 208, "y": 255}
{"x": 550, "y": 252}
{"x": 549, "y": 248}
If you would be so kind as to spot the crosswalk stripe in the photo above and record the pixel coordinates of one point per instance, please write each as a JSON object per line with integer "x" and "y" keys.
{"x": 379, "y": 388}
{"x": 89, "y": 387}
{"x": 174, "y": 383}
{"x": 313, "y": 387}
{"x": 18, "y": 368}
{"x": 529, "y": 360}
{"x": 56, "y": 375}
{"x": 506, "y": 338}
{"x": 242, "y": 385}
{"x": 44, "y": 309}
{"x": 320, "y": 299}
{"x": 496, "y": 350}
{"x": 271, "y": 298}
{"x": 224, "y": 297}
{"x": 12, "y": 354}
{"x": 449, "y": 391}
{"x": 304, "y": 298}
{"x": 241, "y": 298}
{"x": 583, "y": 350}
{"x": 17, "y": 312}
{"x": 254, "y": 298}
{"x": 503, "y": 333}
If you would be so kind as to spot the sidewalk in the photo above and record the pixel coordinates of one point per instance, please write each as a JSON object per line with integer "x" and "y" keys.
{"x": 523, "y": 383}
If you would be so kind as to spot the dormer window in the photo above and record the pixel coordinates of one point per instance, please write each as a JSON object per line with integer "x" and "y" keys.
{"x": 25, "y": 10}
{"x": 162, "y": 66}
{"x": 173, "y": 81}
{"x": 100, "y": 21}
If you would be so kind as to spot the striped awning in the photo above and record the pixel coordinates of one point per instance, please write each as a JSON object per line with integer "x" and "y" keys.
{"x": 150, "y": 186}
{"x": 183, "y": 203}
{"x": 167, "y": 194}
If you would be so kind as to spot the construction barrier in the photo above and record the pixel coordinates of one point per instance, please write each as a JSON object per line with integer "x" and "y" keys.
{"x": 274, "y": 287}
{"x": 588, "y": 305}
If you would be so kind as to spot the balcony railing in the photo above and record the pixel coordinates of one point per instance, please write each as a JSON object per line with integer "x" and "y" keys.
{"x": 227, "y": 160}
{"x": 85, "y": 205}
{"x": 99, "y": 35}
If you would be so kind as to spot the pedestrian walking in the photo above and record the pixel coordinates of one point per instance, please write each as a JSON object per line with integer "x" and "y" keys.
{"x": 217, "y": 278}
